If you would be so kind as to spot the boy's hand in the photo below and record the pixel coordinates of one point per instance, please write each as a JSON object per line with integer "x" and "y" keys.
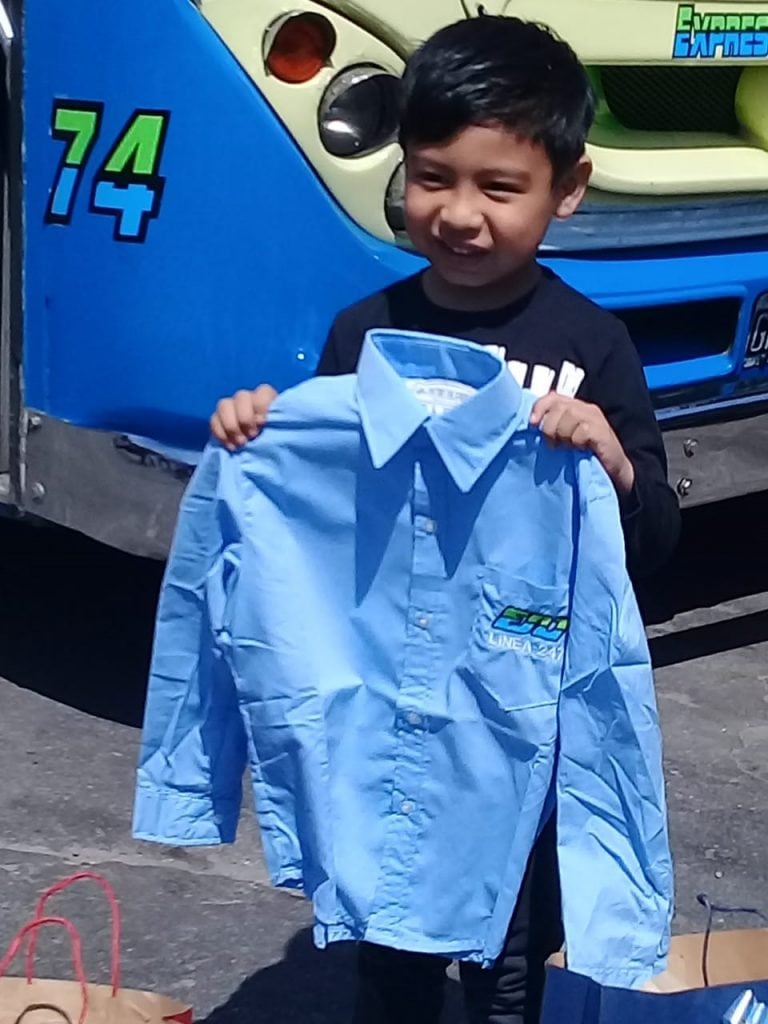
{"x": 240, "y": 418}
{"x": 578, "y": 424}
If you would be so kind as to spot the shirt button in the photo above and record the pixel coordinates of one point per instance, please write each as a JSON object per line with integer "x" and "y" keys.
{"x": 430, "y": 526}
{"x": 407, "y": 807}
{"x": 423, "y": 621}
{"x": 414, "y": 718}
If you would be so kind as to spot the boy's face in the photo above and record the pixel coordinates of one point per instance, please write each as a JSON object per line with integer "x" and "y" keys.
{"x": 479, "y": 205}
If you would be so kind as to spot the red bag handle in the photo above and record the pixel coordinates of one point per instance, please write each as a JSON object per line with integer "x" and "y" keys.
{"x": 77, "y": 953}
{"x": 114, "y": 907}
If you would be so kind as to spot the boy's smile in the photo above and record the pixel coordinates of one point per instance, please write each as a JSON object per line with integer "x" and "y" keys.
{"x": 478, "y": 207}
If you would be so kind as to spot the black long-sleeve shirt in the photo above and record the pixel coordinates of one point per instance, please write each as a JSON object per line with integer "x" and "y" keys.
{"x": 554, "y": 337}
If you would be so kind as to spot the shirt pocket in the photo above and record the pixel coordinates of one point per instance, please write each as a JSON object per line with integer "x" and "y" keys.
{"x": 518, "y": 639}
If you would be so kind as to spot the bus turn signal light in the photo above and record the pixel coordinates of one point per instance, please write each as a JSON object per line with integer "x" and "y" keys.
{"x": 300, "y": 48}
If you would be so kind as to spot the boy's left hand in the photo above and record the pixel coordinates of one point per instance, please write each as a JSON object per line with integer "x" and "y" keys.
{"x": 577, "y": 424}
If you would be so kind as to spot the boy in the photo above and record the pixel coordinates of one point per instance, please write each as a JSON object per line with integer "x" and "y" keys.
{"x": 495, "y": 116}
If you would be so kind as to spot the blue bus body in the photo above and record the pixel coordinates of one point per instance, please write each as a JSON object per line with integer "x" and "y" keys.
{"x": 177, "y": 245}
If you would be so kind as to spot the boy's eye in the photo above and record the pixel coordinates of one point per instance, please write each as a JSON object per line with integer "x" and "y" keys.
{"x": 430, "y": 178}
{"x": 504, "y": 188}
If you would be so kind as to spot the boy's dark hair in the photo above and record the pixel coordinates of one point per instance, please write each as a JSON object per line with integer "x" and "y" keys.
{"x": 499, "y": 71}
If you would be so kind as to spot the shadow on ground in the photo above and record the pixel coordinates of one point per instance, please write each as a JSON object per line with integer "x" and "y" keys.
{"x": 307, "y": 986}
{"x": 711, "y": 638}
{"x": 77, "y": 620}
{"x": 78, "y": 616}
{"x": 302, "y": 986}
{"x": 722, "y": 556}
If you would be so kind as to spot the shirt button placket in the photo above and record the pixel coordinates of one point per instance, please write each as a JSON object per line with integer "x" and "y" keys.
{"x": 418, "y": 678}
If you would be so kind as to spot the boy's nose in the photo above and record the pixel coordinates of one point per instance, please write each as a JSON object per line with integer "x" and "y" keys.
{"x": 458, "y": 213}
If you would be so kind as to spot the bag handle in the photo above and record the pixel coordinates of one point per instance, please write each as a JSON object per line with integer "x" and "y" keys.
{"x": 712, "y": 909}
{"x": 31, "y": 928}
{"x": 43, "y": 1006}
{"x": 114, "y": 906}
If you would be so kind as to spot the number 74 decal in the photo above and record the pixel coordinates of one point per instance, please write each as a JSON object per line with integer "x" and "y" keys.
{"x": 127, "y": 185}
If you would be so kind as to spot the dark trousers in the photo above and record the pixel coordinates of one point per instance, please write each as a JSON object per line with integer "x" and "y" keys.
{"x": 396, "y": 987}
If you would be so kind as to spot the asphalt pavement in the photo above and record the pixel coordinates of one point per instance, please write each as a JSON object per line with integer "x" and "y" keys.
{"x": 205, "y": 925}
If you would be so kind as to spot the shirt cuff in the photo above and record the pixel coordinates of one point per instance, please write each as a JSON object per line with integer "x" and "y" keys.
{"x": 629, "y": 975}
{"x": 184, "y": 819}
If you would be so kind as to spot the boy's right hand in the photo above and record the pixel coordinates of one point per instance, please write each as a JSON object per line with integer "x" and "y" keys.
{"x": 240, "y": 418}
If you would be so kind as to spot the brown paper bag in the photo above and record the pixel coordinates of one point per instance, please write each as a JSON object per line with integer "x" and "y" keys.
{"x": 33, "y": 1000}
{"x": 733, "y": 956}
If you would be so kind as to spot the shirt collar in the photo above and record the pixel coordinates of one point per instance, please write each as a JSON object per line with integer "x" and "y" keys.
{"x": 468, "y": 437}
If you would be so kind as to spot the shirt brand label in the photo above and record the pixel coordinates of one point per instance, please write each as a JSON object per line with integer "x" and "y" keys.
{"x": 439, "y": 396}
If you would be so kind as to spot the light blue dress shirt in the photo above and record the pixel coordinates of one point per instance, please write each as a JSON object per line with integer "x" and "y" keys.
{"x": 414, "y": 629}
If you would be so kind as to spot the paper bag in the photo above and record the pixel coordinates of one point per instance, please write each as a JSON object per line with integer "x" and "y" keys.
{"x": 32, "y": 1000}
{"x": 733, "y": 961}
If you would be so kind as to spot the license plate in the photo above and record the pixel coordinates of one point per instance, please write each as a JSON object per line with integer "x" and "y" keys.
{"x": 756, "y": 355}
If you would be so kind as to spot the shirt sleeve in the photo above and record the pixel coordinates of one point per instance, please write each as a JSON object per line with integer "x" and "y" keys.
{"x": 650, "y": 515}
{"x": 193, "y": 749}
{"x": 613, "y": 848}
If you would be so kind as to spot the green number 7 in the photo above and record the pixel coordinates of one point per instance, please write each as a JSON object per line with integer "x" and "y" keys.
{"x": 76, "y": 123}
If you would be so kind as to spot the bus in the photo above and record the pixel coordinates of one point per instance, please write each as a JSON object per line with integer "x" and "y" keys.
{"x": 192, "y": 190}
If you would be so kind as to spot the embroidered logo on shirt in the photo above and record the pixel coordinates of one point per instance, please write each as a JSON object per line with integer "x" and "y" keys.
{"x": 532, "y": 633}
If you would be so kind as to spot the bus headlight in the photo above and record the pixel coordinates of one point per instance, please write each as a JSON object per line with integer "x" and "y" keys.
{"x": 359, "y": 111}
{"x": 394, "y": 203}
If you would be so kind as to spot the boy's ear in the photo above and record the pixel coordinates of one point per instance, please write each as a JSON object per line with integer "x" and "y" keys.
{"x": 570, "y": 189}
